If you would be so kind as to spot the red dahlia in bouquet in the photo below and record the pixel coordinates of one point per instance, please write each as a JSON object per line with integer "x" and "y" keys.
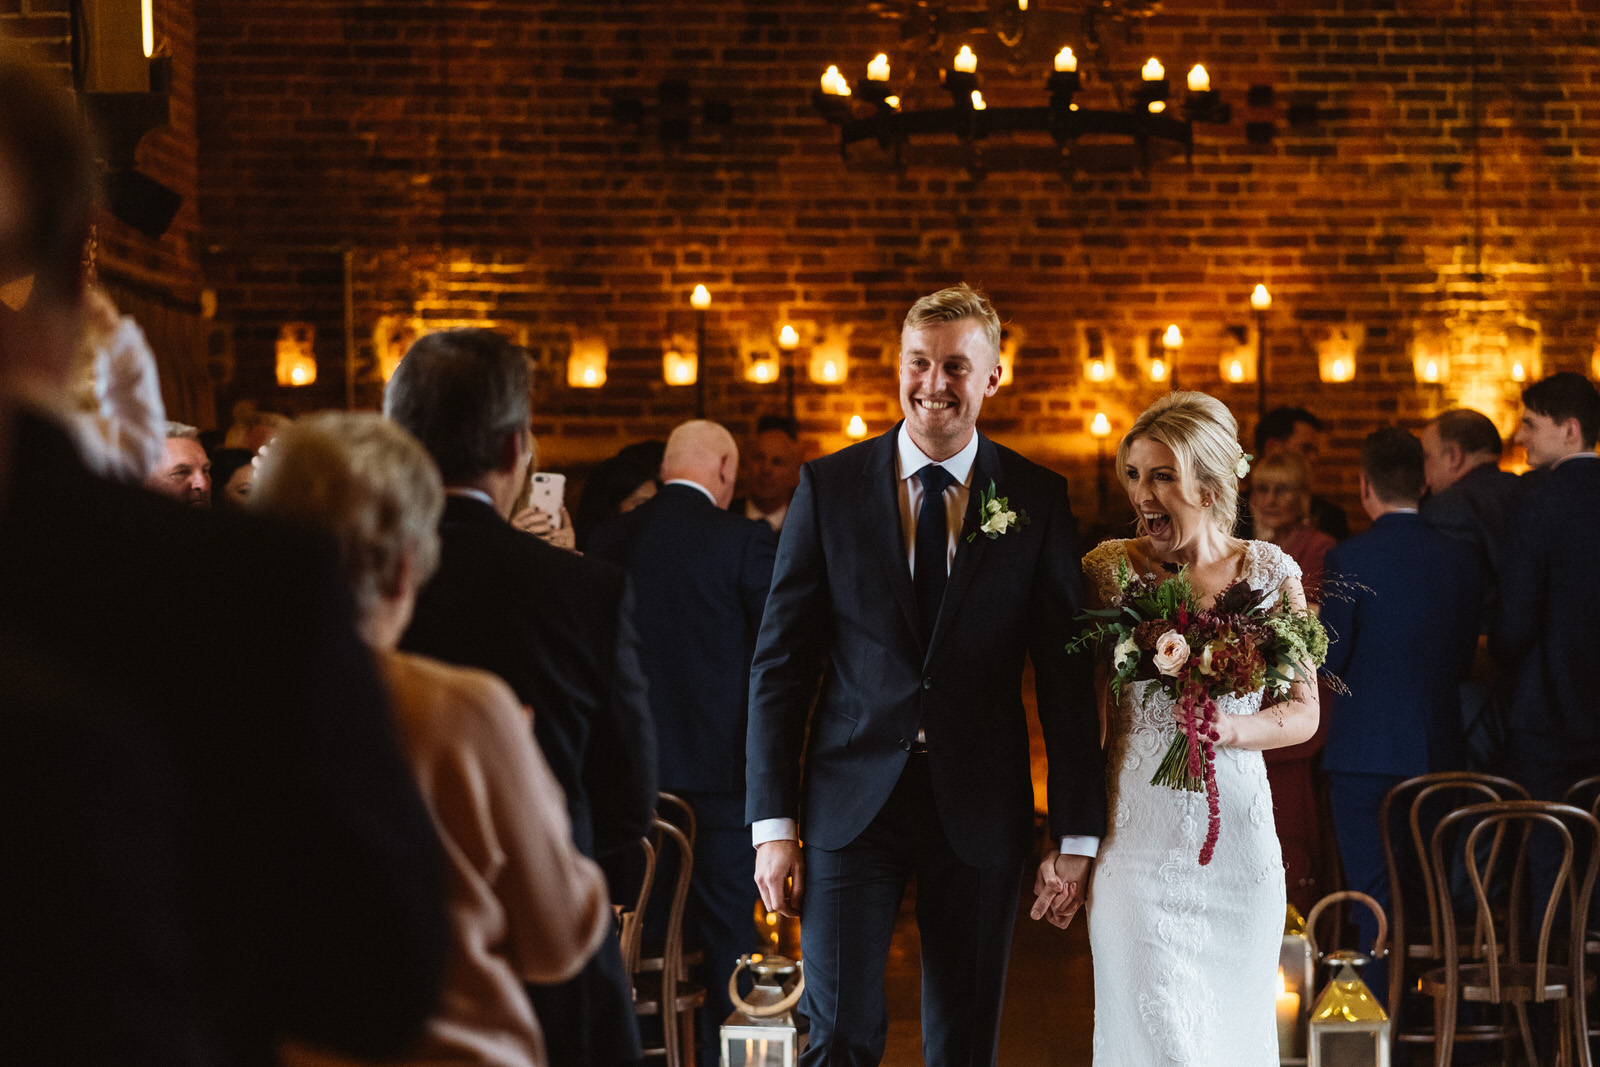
{"x": 1243, "y": 643}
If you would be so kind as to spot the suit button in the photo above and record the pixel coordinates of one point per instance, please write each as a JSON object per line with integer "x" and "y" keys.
{"x": 905, "y": 744}
{"x": 927, "y": 683}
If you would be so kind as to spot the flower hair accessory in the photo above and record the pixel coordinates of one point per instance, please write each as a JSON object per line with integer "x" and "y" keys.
{"x": 1241, "y": 466}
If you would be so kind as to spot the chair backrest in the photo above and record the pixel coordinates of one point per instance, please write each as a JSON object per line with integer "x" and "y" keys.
{"x": 1524, "y": 816}
{"x": 1412, "y": 795}
{"x": 632, "y": 921}
{"x": 672, "y": 951}
{"x": 676, "y": 810}
{"x": 1586, "y": 795}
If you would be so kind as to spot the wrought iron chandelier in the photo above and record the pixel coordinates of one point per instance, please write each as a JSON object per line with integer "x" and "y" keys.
{"x": 1060, "y": 45}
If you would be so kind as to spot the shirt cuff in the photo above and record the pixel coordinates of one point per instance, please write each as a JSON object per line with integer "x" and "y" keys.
{"x": 764, "y": 830}
{"x": 1080, "y": 846}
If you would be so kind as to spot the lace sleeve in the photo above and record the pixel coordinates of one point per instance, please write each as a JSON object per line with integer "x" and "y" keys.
{"x": 1100, "y": 570}
{"x": 1270, "y": 567}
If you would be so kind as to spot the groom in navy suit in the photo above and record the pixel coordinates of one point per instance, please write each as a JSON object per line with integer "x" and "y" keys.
{"x": 1402, "y": 620}
{"x": 915, "y": 758}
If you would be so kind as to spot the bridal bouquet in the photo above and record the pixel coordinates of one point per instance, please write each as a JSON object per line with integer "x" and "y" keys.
{"x": 1158, "y": 633}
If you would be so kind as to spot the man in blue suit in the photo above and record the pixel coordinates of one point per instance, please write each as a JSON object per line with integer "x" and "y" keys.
{"x": 700, "y": 575}
{"x": 1403, "y": 626}
{"x": 1547, "y": 630}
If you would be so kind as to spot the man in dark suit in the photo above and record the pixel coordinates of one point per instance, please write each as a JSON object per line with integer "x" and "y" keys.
{"x": 1295, "y": 430}
{"x": 1470, "y": 499}
{"x": 1402, "y": 627}
{"x": 917, "y": 760}
{"x": 700, "y": 575}
{"x": 212, "y": 843}
{"x": 555, "y": 625}
{"x": 772, "y": 472}
{"x": 1547, "y": 631}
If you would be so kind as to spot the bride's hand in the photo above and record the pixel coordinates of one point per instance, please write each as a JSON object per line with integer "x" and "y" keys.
{"x": 1059, "y": 887}
{"x": 1226, "y": 735}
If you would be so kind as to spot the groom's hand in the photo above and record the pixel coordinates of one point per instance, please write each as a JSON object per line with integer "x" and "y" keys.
{"x": 779, "y": 870}
{"x": 1059, "y": 887}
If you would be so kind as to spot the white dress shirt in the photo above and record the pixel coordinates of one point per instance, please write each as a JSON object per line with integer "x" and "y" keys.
{"x": 773, "y": 518}
{"x": 691, "y": 485}
{"x": 909, "y": 459}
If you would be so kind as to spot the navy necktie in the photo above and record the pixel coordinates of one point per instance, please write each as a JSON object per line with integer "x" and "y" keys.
{"x": 933, "y": 546}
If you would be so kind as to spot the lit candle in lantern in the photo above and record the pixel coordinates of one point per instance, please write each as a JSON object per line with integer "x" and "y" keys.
{"x": 679, "y": 368}
{"x": 1261, "y": 300}
{"x": 1288, "y": 1017}
{"x": 830, "y": 79}
{"x": 878, "y": 69}
{"x": 586, "y": 364}
{"x": 857, "y": 428}
{"x": 1157, "y": 106}
{"x": 1066, "y": 62}
{"x": 1519, "y": 372}
{"x": 965, "y": 61}
{"x": 1101, "y": 426}
{"x": 1341, "y": 371}
{"x": 1430, "y": 371}
{"x": 1153, "y": 70}
{"x": 762, "y": 371}
{"x": 1199, "y": 80}
{"x": 892, "y": 101}
{"x": 1097, "y": 370}
{"x": 1235, "y": 370}
{"x": 1173, "y": 338}
{"x": 147, "y": 30}
{"x": 788, "y": 339}
{"x": 1022, "y": 5}
{"x": 701, "y": 299}
{"x": 1158, "y": 370}
{"x": 977, "y": 101}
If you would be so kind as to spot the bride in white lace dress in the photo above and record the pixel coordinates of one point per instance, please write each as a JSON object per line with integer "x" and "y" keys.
{"x": 1186, "y": 957}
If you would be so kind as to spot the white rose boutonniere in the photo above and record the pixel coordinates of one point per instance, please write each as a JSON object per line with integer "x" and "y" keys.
{"x": 995, "y": 515}
{"x": 1241, "y": 466}
{"x": 1172, "y": 652}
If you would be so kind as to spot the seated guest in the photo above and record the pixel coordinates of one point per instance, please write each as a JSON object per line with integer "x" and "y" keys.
{"x": 524, "y": 904}
{"x": 232, "y": 472}
{"x": 1471, "y": 499}
{"x": 684, "y": 548}
{"x": 772, "y": 473}
{"x": 1547, "y": 629}
{"x": 556, "y": 626}
{"x": 188, "y": 879}
{"x": 616, "y": 486}
{"x": 1295, "y": 430}
{"x": 1401, "y": 631}
{"x": 184, "y": 472}
{"x": 1280, "y": 498}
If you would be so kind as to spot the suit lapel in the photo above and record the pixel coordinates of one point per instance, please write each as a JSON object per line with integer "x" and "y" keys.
{"x": 985, "y": 468}
{"x": 881, "y": 492}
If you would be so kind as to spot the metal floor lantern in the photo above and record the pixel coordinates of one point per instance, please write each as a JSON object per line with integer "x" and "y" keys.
{"x": 1349, "y": 1027}
{"x": 1296, "y": 981}
{"x": 764, "y": 1030}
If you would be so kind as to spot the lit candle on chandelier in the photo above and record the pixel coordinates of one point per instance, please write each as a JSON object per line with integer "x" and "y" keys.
{"x": 977, "y": 101}
{"x": 1199, "y": 80}
{"x": 1066, "y": 62}
{"x": 878, "y": 69}
{"x": 1153, "y": 71}
{"x": 965, "y": 61}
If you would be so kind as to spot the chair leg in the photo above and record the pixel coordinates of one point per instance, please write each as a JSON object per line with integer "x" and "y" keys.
{"x": 1564, "y": 1028}
{"x": 1444, "y": 1030}
{"x": 686, "y": 1028}
{"x": 1527, "y": 1035}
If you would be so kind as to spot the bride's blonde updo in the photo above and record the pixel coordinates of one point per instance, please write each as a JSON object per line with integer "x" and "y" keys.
{"x": 1204, "y": 436}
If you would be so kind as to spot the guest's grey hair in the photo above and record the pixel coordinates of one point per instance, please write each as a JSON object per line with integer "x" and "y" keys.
{"x": 461, "y": 392}
{"x": 181, "y": 430}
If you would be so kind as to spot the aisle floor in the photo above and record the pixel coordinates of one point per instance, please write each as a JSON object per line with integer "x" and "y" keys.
{"x": 1049, "y": 1013}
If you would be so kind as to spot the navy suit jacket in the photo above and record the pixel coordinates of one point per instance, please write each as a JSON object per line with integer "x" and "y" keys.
{"x": 1477, "y": 510}
{"x": 842, "y": 592}
{"x": 700, "y": 577}
{"x": 1401, "y": 608}
{"x": 1548, "y": 630}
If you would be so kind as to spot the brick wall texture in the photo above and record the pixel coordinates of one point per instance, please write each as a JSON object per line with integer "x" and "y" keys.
{"x": 569, "y": 168}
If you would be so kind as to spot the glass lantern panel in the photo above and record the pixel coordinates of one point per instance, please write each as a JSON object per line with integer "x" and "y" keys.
{"x": 1348, "y": 1048}
{"x": 756, "y": 1052}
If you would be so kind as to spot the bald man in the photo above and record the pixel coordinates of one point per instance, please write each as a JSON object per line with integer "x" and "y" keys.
{"x": 700, "y": 577}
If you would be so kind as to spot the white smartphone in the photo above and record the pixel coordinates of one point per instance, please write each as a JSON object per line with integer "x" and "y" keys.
{"x": 549, "y": 490}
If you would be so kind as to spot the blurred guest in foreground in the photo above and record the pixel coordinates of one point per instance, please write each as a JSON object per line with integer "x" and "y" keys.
{"x": 556, "y": 626}
{"x": 123, "y": 420}
{"x": 1402, "y": 627}
{"x": 1547, "y": 628}
{"x": 253, "y": 430}
{"x": 1295, "y": 430}
{"x": 700, "y": 575}
{"x": 524, "y": 904}
{"x": 1471, "y": 500}
{"x": 184, "y": 471}
{"x": 188, "y": 879}
{"x": 617, "y": 485}
{"x": 771, "y": 474}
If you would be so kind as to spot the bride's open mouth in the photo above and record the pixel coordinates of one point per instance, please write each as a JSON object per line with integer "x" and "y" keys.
{"x": 1156, "y": 524}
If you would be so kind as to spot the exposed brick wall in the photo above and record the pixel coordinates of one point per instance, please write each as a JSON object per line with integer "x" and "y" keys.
{"x": 44, "y": 26}
{"x": 486, "y": 163}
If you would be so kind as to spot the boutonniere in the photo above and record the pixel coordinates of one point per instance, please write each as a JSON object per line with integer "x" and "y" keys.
{"x": 995, "y": 516}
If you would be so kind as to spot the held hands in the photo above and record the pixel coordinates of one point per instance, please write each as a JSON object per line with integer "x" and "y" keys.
{"x": 779, "y": 876}
{"x": 539, "y": 523}
{"x": 1059, "y": 887}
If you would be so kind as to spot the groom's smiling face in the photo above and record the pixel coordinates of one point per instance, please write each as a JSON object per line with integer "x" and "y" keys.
{"x": 946, "y": 370}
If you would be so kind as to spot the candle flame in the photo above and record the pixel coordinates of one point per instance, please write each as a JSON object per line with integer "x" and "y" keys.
{"x": 1261, "y": 300}
{"x": 858, "y": 427}
{"x": 787, "y": 337}
{"x": 1173, "y": 338}
{"x": 965, "y": 61}
{"x": 1101, "y": 427}
{"x": 1097, "y": 370}
{"x": 1235, "y": 371}
{"x": 1153, "y": 71}
{"x": 977, "y": 101}
{"x": 701, "y": 298}
{"x": 878, "y": 69}
{"x": 1158, "y": 370}
{"x": 1066, "y": 62}
{"x": 1199, "y": 80}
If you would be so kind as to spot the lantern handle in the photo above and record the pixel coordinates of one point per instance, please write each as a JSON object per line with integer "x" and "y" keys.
{"x": 1378, "y": 945}
{"x": 765, "y": 1011}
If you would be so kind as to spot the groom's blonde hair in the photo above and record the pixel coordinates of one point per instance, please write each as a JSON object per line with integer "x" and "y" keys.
{"x": 1204, "y": 435}
{"x": 955, "y": 304}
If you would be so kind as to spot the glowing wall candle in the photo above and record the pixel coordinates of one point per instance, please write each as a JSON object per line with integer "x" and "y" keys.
{"x": 1199, "y": 80}
{"x": 1066, "y": 62}
{"x": 878, "y": 69}
{"x": 1153, "y": 71}
{"x": 965, "y": 61}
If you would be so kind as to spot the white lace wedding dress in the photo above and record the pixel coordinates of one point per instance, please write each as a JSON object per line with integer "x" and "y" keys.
{"x": 1185, "y": 957}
